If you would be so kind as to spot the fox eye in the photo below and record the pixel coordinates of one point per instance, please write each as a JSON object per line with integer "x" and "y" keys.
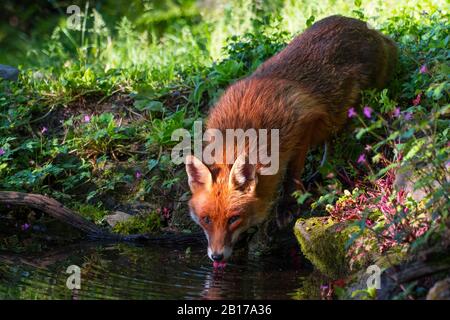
{"x": 206, "y": 220}
{"x": 233, "y": 219}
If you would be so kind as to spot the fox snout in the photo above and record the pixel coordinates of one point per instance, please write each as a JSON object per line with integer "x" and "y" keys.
{"x": 219, "y": 254}
{"x": 220, "y": 241}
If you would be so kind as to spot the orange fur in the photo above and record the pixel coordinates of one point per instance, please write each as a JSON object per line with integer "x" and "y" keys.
{"x": 305, "y": 92}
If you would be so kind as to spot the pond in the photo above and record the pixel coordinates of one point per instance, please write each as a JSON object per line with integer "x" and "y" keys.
{"x": 130, "y": 271}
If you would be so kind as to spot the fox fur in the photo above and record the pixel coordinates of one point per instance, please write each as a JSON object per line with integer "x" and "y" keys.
{"x": 305, "y": 91}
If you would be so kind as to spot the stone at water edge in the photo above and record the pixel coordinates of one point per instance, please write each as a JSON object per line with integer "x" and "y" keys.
{"x": 440, "y": 290}
{"x": 323, "y": 242}
{"x": 407, "y": 177}
{"x": 117, "y": 217}
{"x": 8, "y": 72}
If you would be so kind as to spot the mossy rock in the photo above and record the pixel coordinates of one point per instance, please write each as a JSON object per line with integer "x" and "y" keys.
{"x": 310, "y": 286}
{"x": 323, "y": 241}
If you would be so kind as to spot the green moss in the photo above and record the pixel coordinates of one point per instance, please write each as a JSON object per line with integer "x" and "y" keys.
{"x": 394, "y": 256}
{"x": 91, "y": 212}
{"x": 139, "y": 224}
{"x": 323, "y": 242}
{"x": 309, "y": 286}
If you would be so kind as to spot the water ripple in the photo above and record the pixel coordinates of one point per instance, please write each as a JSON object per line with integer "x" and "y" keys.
{"x": 122, "y": 271}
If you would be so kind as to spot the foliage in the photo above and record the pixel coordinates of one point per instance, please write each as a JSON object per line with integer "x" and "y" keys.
{"x": 94, "y": 213}
{"x": 405, "y": 135}
{"x": 139, "y": 224}
{"x": 99, "y": 135}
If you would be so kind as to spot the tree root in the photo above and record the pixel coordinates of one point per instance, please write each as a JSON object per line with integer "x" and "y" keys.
{"x": 56, "y": 210}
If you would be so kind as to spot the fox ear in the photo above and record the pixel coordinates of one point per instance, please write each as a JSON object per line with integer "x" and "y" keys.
{"x": 199, "y": 175}
{"x": 243, "y": 175}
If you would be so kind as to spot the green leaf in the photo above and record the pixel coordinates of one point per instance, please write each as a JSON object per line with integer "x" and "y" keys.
{"x": 408, "y": 134}
{"x": 301, "y": 197}
{"x": 362, "y": 132}
{"x": 152, "y": 106}
{"x": 310, "y": 21}
{"x": 414, "y": 150}
{"x": 152, "y": 163}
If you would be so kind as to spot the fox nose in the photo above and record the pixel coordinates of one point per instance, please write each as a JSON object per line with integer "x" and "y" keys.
{"x": 217, "y": 257}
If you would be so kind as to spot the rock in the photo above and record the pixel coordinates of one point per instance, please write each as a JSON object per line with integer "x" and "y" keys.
{"x": 323, "y": 241}
{"x": 137, "y": 207}
{"x": 403, "y": 181}
{"x": 8, "y": 72}
{"x": 118, "y": 216}
{"x": 406, "y": 180}
{"x": 440, "y": 290}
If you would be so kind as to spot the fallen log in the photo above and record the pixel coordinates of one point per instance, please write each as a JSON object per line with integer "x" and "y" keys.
{"x": 51, "y": 207}
{"x": 67, "y": 216}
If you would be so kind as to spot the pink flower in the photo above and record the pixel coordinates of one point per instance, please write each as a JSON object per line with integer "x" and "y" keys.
{"x": 423, "y": 69}
{"x": 396, "y": 112}
{"x": 166, "y": 213}
{"x": 2, "y": 152}
{"x": 87, "y": 118}
{"x": 339, "y": 283}
{"x": 44, "y": 130}
{"x": 362, "y": 158}
{"x": 407, "y": 116}
{"x": 416, "y": 101}
{"x": 351, "y": 113}
{"x": 138, "y": 175}
{"x": 368, "y": 147}
{"x": 367, "y": 112}
{"x": 25, "y": 226}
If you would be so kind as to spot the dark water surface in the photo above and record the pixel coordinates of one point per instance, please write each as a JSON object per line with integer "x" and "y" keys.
{"x": 126, "y": 271}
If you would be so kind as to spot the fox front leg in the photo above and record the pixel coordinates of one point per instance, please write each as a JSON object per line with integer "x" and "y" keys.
{"x": 291, "y": 184}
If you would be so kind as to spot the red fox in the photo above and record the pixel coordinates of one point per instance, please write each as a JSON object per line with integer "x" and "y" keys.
{"x": 305, "y": 92}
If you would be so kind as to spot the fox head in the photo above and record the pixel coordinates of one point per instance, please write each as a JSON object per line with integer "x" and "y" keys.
{"x": 224, "y": 202}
